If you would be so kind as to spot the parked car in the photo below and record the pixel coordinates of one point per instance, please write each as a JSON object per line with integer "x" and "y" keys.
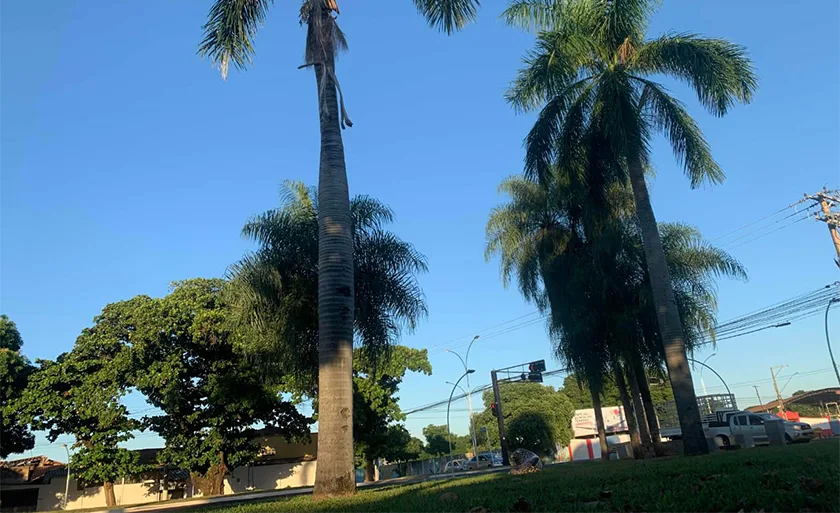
{"x": 495, "y": 459}
{"x": 795, "y": 432}
{"x": 455, "y": 466}
{"x": 724, "y": 425}
{"x": 479, "y": 462}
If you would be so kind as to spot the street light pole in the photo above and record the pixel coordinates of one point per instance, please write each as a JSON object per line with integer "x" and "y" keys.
{"x": 703, "y": 383}
{"x": 448, "y": 431}
{"x": 67, "y": 479}
{"x": 828, "y": 341}
{"x": 465, "y": 362}
{"x": 711, "y": 369}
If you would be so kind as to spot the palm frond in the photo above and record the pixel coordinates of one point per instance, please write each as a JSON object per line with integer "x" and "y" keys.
{"x": 229, "y": 32}
{"x": 668, "y": 115}
{"x": 448, "y": 15}
{"x": 719, "y": 71}
{"x": 536, "y": 15}
{"x": 615, "y": 21}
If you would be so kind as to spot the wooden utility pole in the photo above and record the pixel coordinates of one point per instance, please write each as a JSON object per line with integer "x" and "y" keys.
{"x": 497, "y": 397}
{"x": 826, "y": 200}
{"x": 776, "y": 385}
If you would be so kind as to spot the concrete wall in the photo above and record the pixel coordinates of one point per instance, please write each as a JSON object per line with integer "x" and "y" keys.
{"x": 271, "y": 477}
{"x": 50, "y": 495}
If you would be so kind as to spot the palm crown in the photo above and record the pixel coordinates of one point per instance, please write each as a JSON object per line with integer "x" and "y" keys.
{"x": 592, "y": 70}
{"x": 276, "y": 287}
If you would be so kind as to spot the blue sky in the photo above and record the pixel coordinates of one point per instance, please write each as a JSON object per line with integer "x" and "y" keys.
{"x": 127, "y": 163}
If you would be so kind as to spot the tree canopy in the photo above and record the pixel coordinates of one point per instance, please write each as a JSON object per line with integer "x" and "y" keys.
{"x": 190, "y": 363}
{"x": 15, "y": 371}
{"x": 80, "y": 394}
{"x": 537, "y": 417}
{"x": 375, "y": 402}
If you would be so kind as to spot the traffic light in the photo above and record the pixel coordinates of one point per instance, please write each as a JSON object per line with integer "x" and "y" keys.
{"x": 535, "y": 370}
{"x": 494, "y": 409}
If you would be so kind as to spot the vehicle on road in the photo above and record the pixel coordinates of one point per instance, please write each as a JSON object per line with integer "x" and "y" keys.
{"x": 724, "y": 426}
{"x": 480, "y": 462}
{"x": 455, "y": 466}
{"x": 795, "y": 432}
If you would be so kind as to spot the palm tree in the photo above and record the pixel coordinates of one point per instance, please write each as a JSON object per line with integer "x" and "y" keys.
{"x": 228, "y": 38}
{"x": 591, "y": 71}
{"x": 595, "y": 286}
{"x": 275, "y": 288}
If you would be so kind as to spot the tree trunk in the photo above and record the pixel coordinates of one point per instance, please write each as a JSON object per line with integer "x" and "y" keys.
{"x": 110, "y": 498}
{"x": 335, "y": 474}
{"x": 212, "y": 482}
{"x": 370, "y": 473}
{"x": 638, "y": 407}
{"x": 647, "y": 399}
{"x": 670, "y": 327}
{"x": 599, "y": 423}
{"x": 629, "y": 414}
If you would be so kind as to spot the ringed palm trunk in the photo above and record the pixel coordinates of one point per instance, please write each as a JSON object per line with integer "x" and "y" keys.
{"x": 641, "y": 418}
{"x": 647, "y": 399}
{"x": 670, "y": 327}
{"x": 599, "y": 424}
{"x": 629, "y": 414}
{"x": 335, "y": 474}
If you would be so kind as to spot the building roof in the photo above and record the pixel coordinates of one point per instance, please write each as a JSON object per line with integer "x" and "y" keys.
{"x": 813, "y": 397}
{"x": 28, "y": 470}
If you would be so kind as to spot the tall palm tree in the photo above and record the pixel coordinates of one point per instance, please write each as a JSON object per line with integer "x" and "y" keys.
{"x": 228, "y": 38}
{"x": 276, "y": 288}
{"x": 595, "y": 286}
{"x": 592, "y": 71}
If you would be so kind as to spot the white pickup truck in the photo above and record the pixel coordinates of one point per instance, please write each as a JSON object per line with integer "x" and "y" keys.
{"x": 795, "y": 432}
{"x": 723, "y": 427}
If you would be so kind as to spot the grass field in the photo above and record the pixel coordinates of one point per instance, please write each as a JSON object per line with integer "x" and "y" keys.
{"x": 796, "y": 478}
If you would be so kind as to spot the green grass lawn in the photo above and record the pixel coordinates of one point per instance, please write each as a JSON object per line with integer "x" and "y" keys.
{"x": 795, "y": 478}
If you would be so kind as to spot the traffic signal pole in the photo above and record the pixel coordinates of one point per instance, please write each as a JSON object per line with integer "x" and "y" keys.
{"x": 497, "y": 397}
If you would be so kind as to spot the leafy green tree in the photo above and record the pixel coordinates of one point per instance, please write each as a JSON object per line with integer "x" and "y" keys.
{"x": 591, "y": 72}
{"x": 228, "y": 34}
{"x": 376, "y": 383}
{"x": 15, "y": 371}
{"x": 437, "y": 441}
{"x": 537, "y": 417}
{"x": 79, "y": 394}
{"x": 189, "y": 363}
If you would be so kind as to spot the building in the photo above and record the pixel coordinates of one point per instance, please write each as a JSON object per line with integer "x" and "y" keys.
{"x": 826, "y": 401}
{"x": 38, "y": 484}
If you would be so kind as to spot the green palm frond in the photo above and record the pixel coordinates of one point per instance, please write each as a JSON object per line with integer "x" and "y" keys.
{"x": 536, "y": 15}
{"x": 668, "y": 115}
{"x": 448, "y": 15}
{"x": 615, "y": 21}
{"x": 719, "y": 71}
{"x": 274, "y": 289}
{"x": 229, "y": 32}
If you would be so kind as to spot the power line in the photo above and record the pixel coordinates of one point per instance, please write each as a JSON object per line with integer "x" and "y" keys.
{"x": 481, "y": 331}
{"x": 753, "y": 223}
{"x": 788, "y": 225}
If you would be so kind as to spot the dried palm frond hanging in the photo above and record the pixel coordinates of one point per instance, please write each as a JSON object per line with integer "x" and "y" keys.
{"x": 323, "y": 40}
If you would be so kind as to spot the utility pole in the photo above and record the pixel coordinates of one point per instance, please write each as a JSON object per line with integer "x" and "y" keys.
{"x": 776, "y": 385}
{"x": 826, "y": 200}
{"x": 497, "y": 397}
{"x": 758, "y": 395}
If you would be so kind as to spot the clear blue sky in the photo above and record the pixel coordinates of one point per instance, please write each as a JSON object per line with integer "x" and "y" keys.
{"x": 127, "y": 163}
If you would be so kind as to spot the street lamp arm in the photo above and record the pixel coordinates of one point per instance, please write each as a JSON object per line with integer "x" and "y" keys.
{"x": 828, "y": 340}
{"x": 464, "y": 363}
{"x": 716, "y": 374}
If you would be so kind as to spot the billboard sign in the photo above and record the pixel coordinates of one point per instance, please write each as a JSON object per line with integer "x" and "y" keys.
{"x": 583, "y": 423}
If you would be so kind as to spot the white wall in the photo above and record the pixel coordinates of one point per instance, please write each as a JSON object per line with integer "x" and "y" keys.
{"x": 271, "y": 477}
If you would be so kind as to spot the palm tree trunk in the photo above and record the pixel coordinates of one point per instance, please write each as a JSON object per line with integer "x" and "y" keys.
{"x": 670, "y": 327}
{"x": 335, "y": 475}
{"x": 647, "y": 399}
{"x": 639, "y": 408}
{"x": 629, "y": 414}
{"x": 599, "y": 423}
